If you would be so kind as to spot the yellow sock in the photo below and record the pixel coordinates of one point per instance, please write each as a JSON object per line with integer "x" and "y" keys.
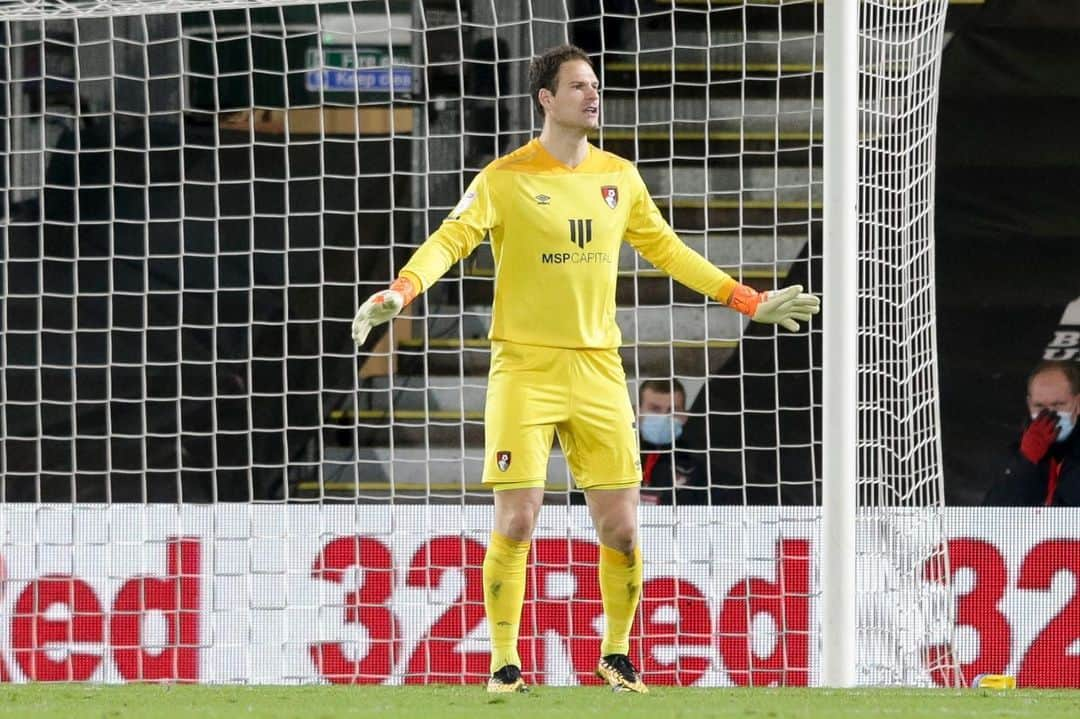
{"x": 504, "y": 594}
{"x": 620, "y": 588}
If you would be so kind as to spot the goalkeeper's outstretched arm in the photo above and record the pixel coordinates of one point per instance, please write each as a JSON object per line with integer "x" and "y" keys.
{"x": 455, "y": 239}
{"x": 787, "y": 306}
{"x": 652, "y": 236}
{"x": 446, "y": 246}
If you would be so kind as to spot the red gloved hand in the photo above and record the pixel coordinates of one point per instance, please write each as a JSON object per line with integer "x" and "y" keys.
{"x": 1037, "y": 438}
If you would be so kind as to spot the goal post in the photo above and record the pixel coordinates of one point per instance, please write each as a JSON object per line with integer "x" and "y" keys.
{"x": 203, "y": 480}
{"x": 840, "y": 361}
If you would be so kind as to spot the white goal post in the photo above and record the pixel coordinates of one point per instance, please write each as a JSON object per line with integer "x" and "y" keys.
{"x": 200, "y": 478}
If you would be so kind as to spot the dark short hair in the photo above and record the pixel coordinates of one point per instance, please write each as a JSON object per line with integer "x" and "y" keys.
{"x": 544, "y": 70}
{"x": 662, "y": 386}
{"x": 1069, "y": 369}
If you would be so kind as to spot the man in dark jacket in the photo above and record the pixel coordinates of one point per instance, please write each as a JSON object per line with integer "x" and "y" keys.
{"x": 1045, "y": 467}
{"x": 669, "y": 475}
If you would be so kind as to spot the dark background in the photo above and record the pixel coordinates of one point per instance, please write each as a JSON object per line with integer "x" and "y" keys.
{"x": 1008, "y": 260}
{"x": 1008, "y": 221}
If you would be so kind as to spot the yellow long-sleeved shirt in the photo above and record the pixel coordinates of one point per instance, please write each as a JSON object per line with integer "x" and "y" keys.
{"x": 555, "y": 235}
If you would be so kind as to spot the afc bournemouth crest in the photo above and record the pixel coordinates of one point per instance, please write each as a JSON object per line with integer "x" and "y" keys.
{"x": 611, "y": 195}
{"x": 503, "y": 460}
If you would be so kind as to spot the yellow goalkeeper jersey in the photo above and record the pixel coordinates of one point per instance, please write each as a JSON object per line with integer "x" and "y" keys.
{"x": 555, "y": 235}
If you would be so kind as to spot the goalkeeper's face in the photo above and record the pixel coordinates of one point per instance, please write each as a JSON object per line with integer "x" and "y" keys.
{"x": 575, "y": 104}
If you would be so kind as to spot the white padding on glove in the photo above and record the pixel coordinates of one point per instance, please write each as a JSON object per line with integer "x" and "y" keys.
{"x": 380, "y": 307}
{"x": 784, "y": 306}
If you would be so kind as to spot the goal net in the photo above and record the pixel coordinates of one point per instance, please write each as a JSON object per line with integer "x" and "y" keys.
{"x": 203, "y": 480}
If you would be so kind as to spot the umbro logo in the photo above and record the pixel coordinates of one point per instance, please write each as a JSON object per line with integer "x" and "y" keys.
{"x": 543, "y": 200}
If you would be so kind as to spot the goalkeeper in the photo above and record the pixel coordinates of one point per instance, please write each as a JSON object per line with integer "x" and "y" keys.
{"x": 558, "y": 210}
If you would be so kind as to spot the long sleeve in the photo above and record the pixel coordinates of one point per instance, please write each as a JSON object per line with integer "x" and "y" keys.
{"x": 650, "y": 234}
{"x": 462, "y": 231}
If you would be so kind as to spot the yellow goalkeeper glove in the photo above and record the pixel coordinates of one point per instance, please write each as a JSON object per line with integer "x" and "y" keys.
{"x": 781, "y": 307}
{"x": 382, "y": 307}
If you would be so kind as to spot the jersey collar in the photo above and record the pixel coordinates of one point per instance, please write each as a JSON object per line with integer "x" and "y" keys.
{"x": 551, "y": 161}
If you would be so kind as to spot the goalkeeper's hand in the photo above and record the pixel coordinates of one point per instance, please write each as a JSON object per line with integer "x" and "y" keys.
{"x": 382, "y": 307}
{"x": 785, "y": 307}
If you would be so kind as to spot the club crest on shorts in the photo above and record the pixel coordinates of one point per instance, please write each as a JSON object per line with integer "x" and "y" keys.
{"x": 610, "y": 193}
{"x": 502, "y": 458}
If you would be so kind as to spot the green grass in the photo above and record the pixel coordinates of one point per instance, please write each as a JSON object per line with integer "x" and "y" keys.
{"x": 70, "y": 701}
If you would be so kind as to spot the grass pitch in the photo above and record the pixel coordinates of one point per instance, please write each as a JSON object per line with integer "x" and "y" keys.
{"x": 71, "y": 701}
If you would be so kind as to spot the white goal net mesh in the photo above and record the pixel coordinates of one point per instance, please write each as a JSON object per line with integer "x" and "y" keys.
{"x": 201, "y": 478}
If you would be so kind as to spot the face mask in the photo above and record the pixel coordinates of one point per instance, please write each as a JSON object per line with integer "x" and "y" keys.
{"x": 660, "y": 429}
{"x": 1065, "y": 425}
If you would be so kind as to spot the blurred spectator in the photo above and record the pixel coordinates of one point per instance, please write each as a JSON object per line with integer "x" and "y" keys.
{"x": 669, "y": 475}
{"x": 1045, "y": 465}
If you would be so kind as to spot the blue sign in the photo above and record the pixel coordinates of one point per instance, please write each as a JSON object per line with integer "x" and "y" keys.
{"x": 360, "y": 79}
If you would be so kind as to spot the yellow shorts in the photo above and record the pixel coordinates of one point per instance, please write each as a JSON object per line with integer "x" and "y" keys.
{"x": 534, "y": 392}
